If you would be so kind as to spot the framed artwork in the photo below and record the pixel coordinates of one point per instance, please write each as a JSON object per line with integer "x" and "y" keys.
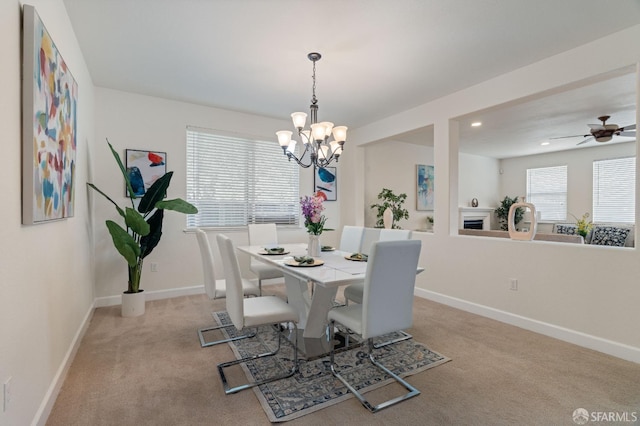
{"x": 144, "y": 168}
{"x": 425, "y": 188}
{"x": 325, "y": 183}
{"x": 49, "y": 123}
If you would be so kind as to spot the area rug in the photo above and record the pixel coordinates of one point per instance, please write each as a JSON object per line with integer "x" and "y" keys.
{"x": 314, "y": 387}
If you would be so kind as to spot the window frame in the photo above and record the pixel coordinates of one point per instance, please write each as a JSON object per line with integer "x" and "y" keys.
{"x": 231, "y": 201}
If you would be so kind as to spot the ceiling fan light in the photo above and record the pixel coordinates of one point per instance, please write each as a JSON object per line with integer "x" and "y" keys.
{"x": 604, "y": 139}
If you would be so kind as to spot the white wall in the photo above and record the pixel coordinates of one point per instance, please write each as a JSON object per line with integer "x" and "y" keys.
{"x": 392, "y": 165}
{"x": 142, "y": 122}
{"x": 582, "y": 294}
{"x": 46, "y": 289}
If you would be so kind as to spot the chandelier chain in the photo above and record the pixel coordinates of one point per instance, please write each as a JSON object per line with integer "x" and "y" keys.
{"x": 314, "y": 100}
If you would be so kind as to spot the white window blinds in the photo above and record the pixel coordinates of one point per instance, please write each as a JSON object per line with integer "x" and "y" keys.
{"x": 547, "y": 190}
{"x": 614, "y": 190}
{"x": 235, "y": 181}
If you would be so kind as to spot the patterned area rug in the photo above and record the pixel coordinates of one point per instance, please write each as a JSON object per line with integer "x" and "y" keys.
{"x": 314, "y": 387}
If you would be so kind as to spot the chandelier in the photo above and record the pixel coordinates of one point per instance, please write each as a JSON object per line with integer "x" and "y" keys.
{"x": 318, "y": 150}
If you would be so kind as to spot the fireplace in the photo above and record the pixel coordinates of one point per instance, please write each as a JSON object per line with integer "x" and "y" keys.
{"x": 473, "y": 224}
{"x": 475, "y": 218}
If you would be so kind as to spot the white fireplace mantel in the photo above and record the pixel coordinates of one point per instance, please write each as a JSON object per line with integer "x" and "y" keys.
{"x": 476, "y": 213}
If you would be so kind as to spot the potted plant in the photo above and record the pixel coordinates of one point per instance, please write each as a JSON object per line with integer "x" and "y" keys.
{"x": 429, "y": 223}
{"x": 394, "y": 202}
{"x": 503, "y": 212}
{"x": 142, "y": 229}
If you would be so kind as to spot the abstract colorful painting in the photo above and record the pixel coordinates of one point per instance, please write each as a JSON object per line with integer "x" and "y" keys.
{"x": 325, "y": 183}
{"x": 144, "y": 168}
{"x": 50, "y": 99}
{"x": 425, "y": 188}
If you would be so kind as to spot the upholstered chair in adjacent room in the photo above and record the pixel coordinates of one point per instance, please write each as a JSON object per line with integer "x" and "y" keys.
{"x": 387, "y": 306}
{"x": 216, "y": 288}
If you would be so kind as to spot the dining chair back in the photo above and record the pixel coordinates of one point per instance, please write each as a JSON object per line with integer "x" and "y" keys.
{"x": 394, "y": 234}
{"x": 217, "y": 288}
{"x": 263, "y": 234}
{"x": 354, "y": 292}
{"x": 253, "y": 312}
{"x": 214, "y": 288}
{"x": 371, "y": 235}
{"x": 351, "y": 238}
{"x": 387, "y": 307}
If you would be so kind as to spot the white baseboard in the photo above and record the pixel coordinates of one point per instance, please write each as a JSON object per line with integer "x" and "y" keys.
{"x": 50, "y": 397}
{"x": 619, "y": 350}
{"x": 152, "y": 295}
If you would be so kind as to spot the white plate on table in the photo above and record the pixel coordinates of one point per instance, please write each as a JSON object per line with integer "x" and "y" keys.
{"x": 272, "y": 253}
{"x": 292, "y": 262}
{"x": 356, "y": 259}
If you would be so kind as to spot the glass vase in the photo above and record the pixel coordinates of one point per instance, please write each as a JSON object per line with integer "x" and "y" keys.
{"x": 313, "y": 249}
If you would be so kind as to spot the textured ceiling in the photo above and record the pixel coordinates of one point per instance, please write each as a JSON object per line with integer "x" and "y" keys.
{"x": 380, "y": 57}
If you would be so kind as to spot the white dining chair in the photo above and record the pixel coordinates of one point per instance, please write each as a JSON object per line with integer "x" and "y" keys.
{"x": 252, "y": 312}
{"x": 370, "y": 236}
{"x": 394, "y": 234}
{"x": 351, "y": 238}
{"x": 216, "y": 288}
{"x": 387, "y": 307}
{"x": 353, "y": 292}
{"x": 263, "y": 234}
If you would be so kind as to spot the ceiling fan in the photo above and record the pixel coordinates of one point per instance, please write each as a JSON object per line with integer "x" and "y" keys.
{"x": 604, "y": 132}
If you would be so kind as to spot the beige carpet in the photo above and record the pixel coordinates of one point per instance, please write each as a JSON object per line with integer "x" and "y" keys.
{"x": 151, "y": 370}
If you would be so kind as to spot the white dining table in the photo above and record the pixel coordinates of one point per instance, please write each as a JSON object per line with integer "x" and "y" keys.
{"x": 335, "y": 272}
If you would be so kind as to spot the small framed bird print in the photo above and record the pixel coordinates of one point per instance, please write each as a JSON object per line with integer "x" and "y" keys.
{"x": 325, "y": 183}
{"x": 144, "y": 168}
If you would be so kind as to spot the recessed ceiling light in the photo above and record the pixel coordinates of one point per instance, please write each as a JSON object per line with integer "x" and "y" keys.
{"x": 476, "y": 124}
{"x": 544, "y": 143}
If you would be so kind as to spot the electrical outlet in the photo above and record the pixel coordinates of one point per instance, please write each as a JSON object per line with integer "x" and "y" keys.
{"x": 7, "y": 394}
{"x": 154, "y": 267}
{"x": 513, "y": 284}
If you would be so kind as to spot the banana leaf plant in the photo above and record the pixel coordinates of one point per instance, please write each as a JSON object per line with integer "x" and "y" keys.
{"x": 143, "y": 226}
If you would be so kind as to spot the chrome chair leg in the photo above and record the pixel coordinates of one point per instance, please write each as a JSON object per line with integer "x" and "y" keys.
{"x": 405, "y": 336}
{"x": 205, "y": 344}
{"x": 373, "y": 408}
{"x": 229, "y": 390}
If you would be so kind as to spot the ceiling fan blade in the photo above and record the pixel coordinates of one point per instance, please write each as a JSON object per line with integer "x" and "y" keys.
{"x": 574, "y": 136}
{"x": 627, "y": 134}
{"x": 584, "y": 141}
{"x": 629, "y": 127}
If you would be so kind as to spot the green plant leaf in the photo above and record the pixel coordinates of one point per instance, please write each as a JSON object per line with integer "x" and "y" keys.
{"x": 178, "y": 205}
{"x": 151, "y": 240}
{"x": 125, "y": 175}
{"x": 123, "y": 242}
{"x": 136, "y": 222}
{"x": 107, "y": 197}
{"x": 155, "y": 193}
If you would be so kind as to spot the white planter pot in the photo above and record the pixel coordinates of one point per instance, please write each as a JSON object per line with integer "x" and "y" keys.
{"x": 133, "y": 304}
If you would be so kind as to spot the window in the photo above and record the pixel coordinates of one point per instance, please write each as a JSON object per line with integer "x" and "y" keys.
{"x": 235, "y": 181}
{"x": 614, "y": 190}
{"x": 547, "y": 190}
